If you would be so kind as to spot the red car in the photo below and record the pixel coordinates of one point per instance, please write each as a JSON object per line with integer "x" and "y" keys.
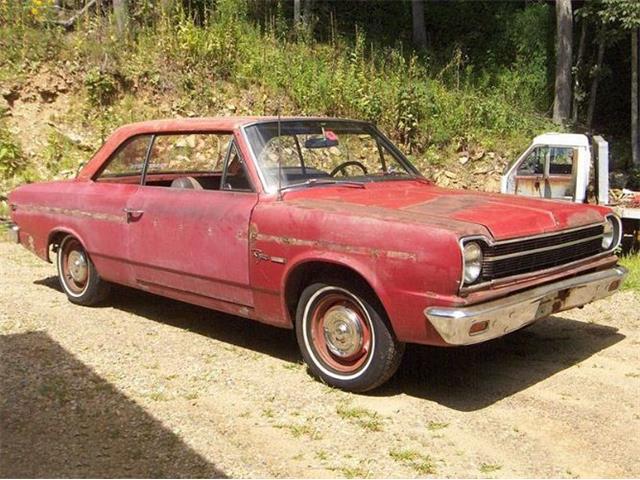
{"x": 321, "y": 225}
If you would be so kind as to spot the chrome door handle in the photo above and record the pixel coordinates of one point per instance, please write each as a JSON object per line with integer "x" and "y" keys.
{"x": 131, "y": 213}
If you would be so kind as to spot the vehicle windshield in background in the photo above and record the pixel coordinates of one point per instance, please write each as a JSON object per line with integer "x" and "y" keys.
{"x": 315, "y": 152}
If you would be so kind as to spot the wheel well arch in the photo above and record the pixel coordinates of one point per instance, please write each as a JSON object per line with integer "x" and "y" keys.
{"x": 56, "y": 236}
{"x": 303, "y": 274}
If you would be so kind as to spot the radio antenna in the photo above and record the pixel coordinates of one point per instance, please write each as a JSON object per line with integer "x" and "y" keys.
{"x": 279, "y": 153}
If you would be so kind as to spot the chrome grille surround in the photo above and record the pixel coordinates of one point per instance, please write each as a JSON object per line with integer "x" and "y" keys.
{"x": 525, "y": 256}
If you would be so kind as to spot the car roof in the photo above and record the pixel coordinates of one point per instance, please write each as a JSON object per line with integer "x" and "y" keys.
{"x": 207, "y": 124}
{"x": 180, "y": 125}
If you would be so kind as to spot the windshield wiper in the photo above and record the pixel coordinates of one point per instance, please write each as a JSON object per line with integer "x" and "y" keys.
{"x": 313, "y": 182}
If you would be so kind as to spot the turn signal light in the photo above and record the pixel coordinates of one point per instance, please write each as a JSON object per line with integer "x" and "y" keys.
{"x": 478, "y": 327}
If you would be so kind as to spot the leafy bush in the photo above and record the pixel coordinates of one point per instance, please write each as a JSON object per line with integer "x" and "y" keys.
{"x": 12, "y": 160}
{"x": 101, "y": 87}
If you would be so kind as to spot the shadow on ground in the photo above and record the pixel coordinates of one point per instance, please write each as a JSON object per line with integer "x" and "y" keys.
{"x": 275, "y": 342}
{"x": 463, "y": 378}
{"x": 471, "y": 378}
{"x": 60, "y": 419}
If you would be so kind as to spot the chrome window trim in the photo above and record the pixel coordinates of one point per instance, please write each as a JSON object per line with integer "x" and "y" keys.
{"x": 387, "y": 143}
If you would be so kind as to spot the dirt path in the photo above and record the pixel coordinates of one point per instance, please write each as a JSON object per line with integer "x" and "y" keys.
{"x": 152, "y": 387}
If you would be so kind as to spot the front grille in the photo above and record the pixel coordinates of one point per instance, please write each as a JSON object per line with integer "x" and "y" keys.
{"x": 533, "y": 254}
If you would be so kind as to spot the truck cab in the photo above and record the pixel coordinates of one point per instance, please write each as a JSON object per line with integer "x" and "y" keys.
{"x": 556, "y": 165}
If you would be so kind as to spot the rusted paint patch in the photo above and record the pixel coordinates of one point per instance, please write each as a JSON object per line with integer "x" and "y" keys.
{"x": 71, "y": 212}
{"x": 406, "y": 216}
{"x": 336, "y": 247}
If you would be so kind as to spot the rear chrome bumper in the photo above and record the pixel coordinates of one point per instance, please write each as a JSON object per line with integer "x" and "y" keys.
{"x": 498, "y": 317}
{"x": 14, "y": 233}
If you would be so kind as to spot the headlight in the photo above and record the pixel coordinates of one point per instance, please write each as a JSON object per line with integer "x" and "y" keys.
{"x": 611, "y": 235}
{"x": 472, "y": 255}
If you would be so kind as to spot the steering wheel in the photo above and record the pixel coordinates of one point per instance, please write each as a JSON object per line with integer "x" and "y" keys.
{"x": 350, "y": 163}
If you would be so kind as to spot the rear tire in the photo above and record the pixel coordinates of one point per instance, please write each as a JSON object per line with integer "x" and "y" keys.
{"x": 344, "y": 338}
{"x": 78, "y": 275}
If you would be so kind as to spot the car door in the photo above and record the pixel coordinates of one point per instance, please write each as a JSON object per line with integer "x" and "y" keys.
{"x": 189, "y": 238}
{"x": 101, "y": 218}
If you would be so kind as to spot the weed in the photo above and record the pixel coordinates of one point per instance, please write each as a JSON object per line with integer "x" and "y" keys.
{"x": 437, "y": 425}
{"x": 416, "y": 460}
{"x": 489, "y": 467}
{"x": 158, "y": 396}
{"x": 322, "y": 455}
{"x": 298, "y": 430}
{"x": 361, "y": 416}
{"x": 632, "y": 282}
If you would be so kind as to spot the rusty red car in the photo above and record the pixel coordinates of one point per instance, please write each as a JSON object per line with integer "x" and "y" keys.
{"x": 319, "y": 225}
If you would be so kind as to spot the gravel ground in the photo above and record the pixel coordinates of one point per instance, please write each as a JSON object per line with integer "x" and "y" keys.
{"x": 146, "y": 386}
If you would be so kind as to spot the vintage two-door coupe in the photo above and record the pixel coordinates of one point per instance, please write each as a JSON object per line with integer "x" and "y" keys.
{"x": 321, "y": 225}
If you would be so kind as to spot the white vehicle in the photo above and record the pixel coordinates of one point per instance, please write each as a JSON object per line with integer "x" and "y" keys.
{"x": 558, "y": 166}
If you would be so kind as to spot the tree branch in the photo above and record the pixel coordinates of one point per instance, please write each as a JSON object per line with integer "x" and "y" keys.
{"x": 70, "y": 23}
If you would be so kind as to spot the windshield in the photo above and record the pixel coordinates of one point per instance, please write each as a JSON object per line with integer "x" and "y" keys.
{"x": 315, "y": 151}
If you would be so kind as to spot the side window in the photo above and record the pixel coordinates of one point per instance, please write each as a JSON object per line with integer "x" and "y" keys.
{"x": 235, "y": 173}
{"x": 534, "y": 163}
{"x": 190, "y": 153}
{"x": 126, "y": 165}
{"x": 561, "y": 160}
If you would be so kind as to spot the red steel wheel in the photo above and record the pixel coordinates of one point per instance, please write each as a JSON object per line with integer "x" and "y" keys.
{"x": 74, "y": 266}
{"x": 77, "y": 273}
{"x": 344, "y": 335}
{"x": 341, "y": 331}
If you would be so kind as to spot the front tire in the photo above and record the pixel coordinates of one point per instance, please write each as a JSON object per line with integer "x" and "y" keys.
{"x": 344, "y": 338}
{"x": 78, "y": 275}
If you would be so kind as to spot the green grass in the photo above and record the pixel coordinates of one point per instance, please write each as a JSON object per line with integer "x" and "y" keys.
{"x": 489, "y": 468}
{"x": 421, "y": 463}
{"x": 632, "y": 282}
{"x": 362, "y": 417}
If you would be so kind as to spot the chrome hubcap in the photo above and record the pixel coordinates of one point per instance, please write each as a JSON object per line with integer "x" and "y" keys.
{"x": 78, "y": 266}
{"x": 342, "y": 331}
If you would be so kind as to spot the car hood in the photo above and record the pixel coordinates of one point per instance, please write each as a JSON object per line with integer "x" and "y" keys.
{"x": 503, "y": 216}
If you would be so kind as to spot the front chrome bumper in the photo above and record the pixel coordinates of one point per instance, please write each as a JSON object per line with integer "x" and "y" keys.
{"x": 499, "y": 317}
{"x": 14, "y": 233}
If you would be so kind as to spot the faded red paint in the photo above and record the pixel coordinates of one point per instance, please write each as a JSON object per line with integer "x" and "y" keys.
{"x": 235, "y": 252}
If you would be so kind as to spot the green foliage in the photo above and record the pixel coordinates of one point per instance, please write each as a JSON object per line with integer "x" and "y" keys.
{"x": 625, "y": 13}
{"x": 101, "y": 87}
{"x": 632, "y": 282}
{"x": 190, "y": 61}
{"x": 12, "y": 160}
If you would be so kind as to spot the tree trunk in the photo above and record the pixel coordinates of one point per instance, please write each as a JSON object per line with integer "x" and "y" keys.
{"x": 297, "y": 15}
{"x": 577, "y": 73}
{"x": 596, "y": 77}
{"x": 121, "y": 16}
{"x": 564, "y": 42}
{"x": 307, "y": 7}
{"x": 635, "y": 146}
{"x": 419, "y": 30}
